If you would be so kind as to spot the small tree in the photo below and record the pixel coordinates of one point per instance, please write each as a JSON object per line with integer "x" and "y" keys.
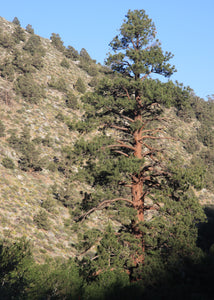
{"x": 57, "y": 42}
{"x": 71, "y": 53}
{"x": 16, "y": 21}
{"x": 18, "y": 34}
{"x": 80, "y": 86}
{"x": 29, "y": 29}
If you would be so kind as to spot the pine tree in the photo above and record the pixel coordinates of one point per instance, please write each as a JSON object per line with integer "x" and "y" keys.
{"x": 130, "y": 168}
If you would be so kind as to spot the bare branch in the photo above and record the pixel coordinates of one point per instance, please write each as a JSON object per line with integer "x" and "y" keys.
{"x": 127, "y": 93}
{"x": 121, "y": 152}
{"x": 120, "y": 145}
{"x": 120, "y": 128}
{"x": 102, "y": 205}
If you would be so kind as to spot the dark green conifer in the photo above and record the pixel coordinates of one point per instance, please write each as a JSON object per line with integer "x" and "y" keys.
{"x": 130, "y": 173}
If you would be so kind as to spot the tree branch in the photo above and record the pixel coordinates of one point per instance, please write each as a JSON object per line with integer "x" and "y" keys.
{"x": 121, "y": 152}
{"x": 102, "y": 205}
{"x": 120, "y": 128}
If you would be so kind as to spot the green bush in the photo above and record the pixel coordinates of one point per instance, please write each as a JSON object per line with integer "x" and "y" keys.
{"x": 41, "y": 220}
{"x": 6, "y": 41}
{"x": 29, "y": 159}
{"x": 71, "y": 100}
{"x": 18, "y": 34}
{"x": 22, "y": 63}
{"x": 72, "y": 53}
{"x": 7, "y": 70}
{"x": 64, "y": 63}
{"x": 29, "y": 29}
{"x": 29, "y": 89}
{"x": 58, "y": 84}
{"x": 57, "y": 42}
{"x": 48, "y": 204}
{"x": 80, "y": 86}
{"x": 34, "y": 46}
{"x": 2, "y": 129}
{"x": 8, "y": 163}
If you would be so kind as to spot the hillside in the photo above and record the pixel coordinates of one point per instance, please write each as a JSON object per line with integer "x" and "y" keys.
{"x": 39, "y": 101}
{"x": 106, "y": 175}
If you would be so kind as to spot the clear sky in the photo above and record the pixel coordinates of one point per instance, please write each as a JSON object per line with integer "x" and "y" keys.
{"x": 184, "y": 27}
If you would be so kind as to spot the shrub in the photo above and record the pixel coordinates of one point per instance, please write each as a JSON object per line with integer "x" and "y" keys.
{"x": 2, "y": 129}
{"x": 41, "y": 220}
{"x": 29, "y": 154}
{"x": 57, "y": 42}
{"x": 48, "y": 204}
{"x": 18, "y": 34}
{"x": 6, "y": 41}
{"x": 64, "y": 63}
{"x": 93, "y": 82}
{"x": 8, "y": 163}
{"x": 29, "y": 89}
{"x": 7, "y": 70}
{"x": 34, "y": 46}
{"x": 71, "y": 100}
{"x": 72, "y": 53}
{"x": 58, "y": 84}
{"x": 22, "y": 63}
{"x": 80, "y": 86}
{"x": 29, "y": 29}
{"x": 16, "y": 21}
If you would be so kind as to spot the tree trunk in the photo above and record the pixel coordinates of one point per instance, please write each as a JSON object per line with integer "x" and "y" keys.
{"x": 137, "y": 194}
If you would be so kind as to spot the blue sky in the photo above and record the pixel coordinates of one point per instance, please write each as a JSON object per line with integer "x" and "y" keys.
{"x": 184, "y": 27}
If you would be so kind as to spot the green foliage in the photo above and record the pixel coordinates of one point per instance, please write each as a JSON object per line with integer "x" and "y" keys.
{"x": 41, "y": 220}
{"x": 58, "y": 84}
{"x": 80, "y": 86}
{"x": 71, "y": 53}
{"x": 29, "y": 154}
{"x": 84, "y": 55}
{"x": 16, "y": 21}
{"x": 87, "y": 66}
{"x": 94, "y": 82}
{"x": 66, "y": 194}
{"x": 57, "y": 42}
{"x": 8, "y": 163}
{"x": 18, "y": 34}
{"x": 132, "y": 105}
{"x": 48, "y": 204}
{"x": 207, "y": 157}
{"x": 65, "y": 64}
{"x": 6, "y": 41}
{"x": 7, "y": 70}
{"x": 205, "y": 134}
{"x": 29, "y": 89}
{"x": 15, "y": 260}
{"x": 2, "y": 129}
{"x": 71, "y": 100}
{"x": 34, "y": 46}
{"x": 22, "y": 63}
{"x": 29, "y": 29}
{"x": 192, "y": 145}
{"x": 87, "y": 239}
